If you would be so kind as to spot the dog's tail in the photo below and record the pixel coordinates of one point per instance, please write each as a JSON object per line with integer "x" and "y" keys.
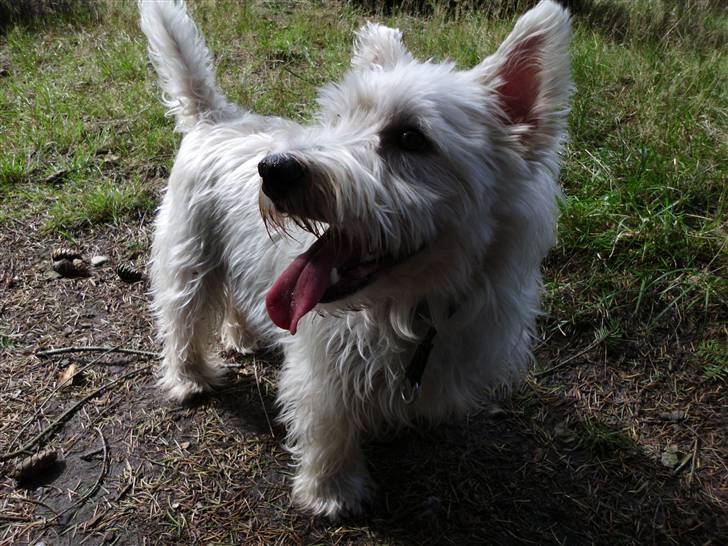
{"x": 184, "y": 64}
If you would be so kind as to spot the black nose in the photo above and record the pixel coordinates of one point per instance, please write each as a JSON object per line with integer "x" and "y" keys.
{"x": 281, "y": 174}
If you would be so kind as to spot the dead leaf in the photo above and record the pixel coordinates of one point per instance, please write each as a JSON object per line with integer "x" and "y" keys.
{"x": 676, "y": 415}
{"x": 67, "y": 376}
{"x": 669, "y": 457}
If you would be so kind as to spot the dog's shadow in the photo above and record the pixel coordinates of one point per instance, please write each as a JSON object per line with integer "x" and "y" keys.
{"x": 515, "y": 477}
{"x": 524, "y": 471}
{"x": 248, "y": 398}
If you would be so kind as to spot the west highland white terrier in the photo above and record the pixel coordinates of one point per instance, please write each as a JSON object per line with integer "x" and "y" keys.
{"x": 391, "y": 249}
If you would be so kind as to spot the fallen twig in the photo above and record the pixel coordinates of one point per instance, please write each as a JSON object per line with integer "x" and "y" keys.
{"x": 50, "y": 396}
{"x": 569, "y": 359}
{"x": 58, "y": 420}
{"x": 36, "y": 502}
{"x": 296, "y": 75}
{"x": 64, "y": 350}
{"x": 99, "y": 515}
{"x": 10, "y": 517}
{"x": 70, "y": 443}
{"x": 90, "y": 454}
{"x": 262, "y": 403}
{"x": 693, "y": 461}
{"x": 92, "y": 490}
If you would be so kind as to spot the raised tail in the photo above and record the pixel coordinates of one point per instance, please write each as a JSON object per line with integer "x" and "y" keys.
{"x": 184, "y": 65}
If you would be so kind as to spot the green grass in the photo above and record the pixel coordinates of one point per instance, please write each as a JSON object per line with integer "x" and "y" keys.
{"x": 602, "y": 439}
{"x": 714, "y": 356}
{"x": 644, "y": 173}
{"x": 645, "y": 176}
{"x": 637, "y": 285}
{"x": 108, "y": 202}
{"x": 6, "y": 341}
{"x": 73, "y": 99}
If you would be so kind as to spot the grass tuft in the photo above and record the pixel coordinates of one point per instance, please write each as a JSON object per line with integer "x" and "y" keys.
{"x": 34, "y": 13}
{"x": 107, "y": 202}
{"x": 6, "y": 341}
{"x": 714, "y": 355}
{"x": 601, "y": 439}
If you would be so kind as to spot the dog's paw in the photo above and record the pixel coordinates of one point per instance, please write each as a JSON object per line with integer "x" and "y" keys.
{"x": 238, "y": 348}
{"x": 343, "y": 495}
{"x": 180, "y": 390}
{"x": 180, "y": 387}
{"x": 235, "y": 338}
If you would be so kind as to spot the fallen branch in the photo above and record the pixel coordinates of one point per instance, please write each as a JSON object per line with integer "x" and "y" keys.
{"x": 565, "y": 362}
{"x": 693, "y": 461}
{"x": 99, "y": 515}
{"x": 58, "y": 420}
{"x": 90, "y": 349}
{"x": 90, "y": 454}
{"x": 262, "y": 403}
{"x": 295, "y": 75}
{"x": 50, "y": 396}
{"x": 92, "y": 490}
{"x": 11, "y": 517}
{"x": 36, "y": 502}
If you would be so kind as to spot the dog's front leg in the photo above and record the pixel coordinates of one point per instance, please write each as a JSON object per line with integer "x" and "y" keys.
{"x": 331, "y": 477}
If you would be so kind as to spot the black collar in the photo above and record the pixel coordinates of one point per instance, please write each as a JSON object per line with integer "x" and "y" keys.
{"x": 411, "y": 390}
{"x": 416, "y": 367}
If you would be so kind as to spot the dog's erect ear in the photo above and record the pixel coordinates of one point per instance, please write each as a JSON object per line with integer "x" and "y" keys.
{"x": 377, "y": 45}
{"x": 530, "y": 76}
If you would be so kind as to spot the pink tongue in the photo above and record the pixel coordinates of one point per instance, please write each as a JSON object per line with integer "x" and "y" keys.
{"x": 302, "y": 285}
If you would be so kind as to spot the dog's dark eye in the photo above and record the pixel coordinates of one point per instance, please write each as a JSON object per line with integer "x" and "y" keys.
{"x": 412, "y": 140}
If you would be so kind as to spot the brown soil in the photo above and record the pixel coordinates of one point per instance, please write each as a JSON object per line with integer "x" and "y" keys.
{"x": 581, "y": 455}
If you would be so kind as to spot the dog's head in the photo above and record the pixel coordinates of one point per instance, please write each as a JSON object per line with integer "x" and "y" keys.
{"x": 413, "y": 166}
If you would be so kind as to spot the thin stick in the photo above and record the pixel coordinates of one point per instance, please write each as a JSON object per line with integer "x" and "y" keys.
{"x": 90, "y": 454}
{"x": 92, "y": 490}
{"x": 64, "y": 350}
{"x": 36, "y": 502}
{"x": 260, "y": 395}
{"x": 50, "y": 395}
{"x": 58, "y": 420}
{"x": 69, "y": 445}
{"x": 294, "y": 74}
{"x": 693, "y": 461}
{"x": 683, "y": 463}
{"x": 565, "y": 362}
{"x": 10, "y": 517}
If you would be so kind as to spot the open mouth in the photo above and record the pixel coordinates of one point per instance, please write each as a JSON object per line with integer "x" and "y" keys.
{"x": 331, "y": 269}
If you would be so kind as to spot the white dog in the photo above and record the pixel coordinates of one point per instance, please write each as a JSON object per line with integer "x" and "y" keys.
{"x": 391, "y": 249}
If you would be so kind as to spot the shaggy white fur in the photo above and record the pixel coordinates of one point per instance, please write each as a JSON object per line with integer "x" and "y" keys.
{"x": 436, "y": 193}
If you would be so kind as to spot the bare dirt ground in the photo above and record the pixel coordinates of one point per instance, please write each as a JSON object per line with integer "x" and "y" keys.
{"x": 618, "y": 445}
{"x": 620, "y": 436}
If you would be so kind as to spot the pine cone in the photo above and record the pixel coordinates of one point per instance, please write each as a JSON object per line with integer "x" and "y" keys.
{"x": 128, "y": 273}
{"x": 71, "y": 268}
{"x": 34, "y": 464}
{"x": 65, "y": 253}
